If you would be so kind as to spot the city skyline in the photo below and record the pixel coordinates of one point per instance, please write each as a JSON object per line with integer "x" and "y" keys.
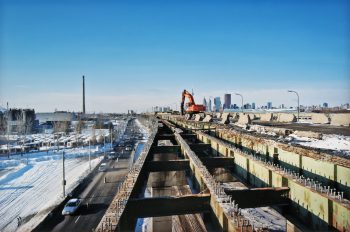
{"x": 131, "y": 54}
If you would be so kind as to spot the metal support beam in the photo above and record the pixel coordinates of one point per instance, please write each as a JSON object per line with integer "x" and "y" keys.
{"x": 200, "y": 148}
{"x": 218, "y": 162}
{"x": 259, "y": 197}
{"x": 165, "y": 149}
{"x": 166, "y": 166}
{"x": 167, "y": 206}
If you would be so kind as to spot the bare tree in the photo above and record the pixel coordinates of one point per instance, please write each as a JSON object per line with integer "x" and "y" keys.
{"x": 79, "y": 126}
{"x": 60, "y": 126}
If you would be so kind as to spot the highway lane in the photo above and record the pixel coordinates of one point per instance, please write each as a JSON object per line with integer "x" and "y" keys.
{"x": 98, "y": 194}
{"x": 96, "y": 198}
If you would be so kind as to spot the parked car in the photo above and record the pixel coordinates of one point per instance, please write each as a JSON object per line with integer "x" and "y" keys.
{"x": 71, "y": 207}
{"x": 103, "y": 167}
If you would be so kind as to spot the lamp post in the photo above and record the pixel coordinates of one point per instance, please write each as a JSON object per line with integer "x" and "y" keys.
{"x": 292, "y": 91}
{"x": 242, "y": 99}
{"x": 90, "y": 154}
{"x": 63, "y": 176}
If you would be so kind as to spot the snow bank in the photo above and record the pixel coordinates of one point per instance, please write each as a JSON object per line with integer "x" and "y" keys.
{"x": 338, "y": 143}
{"x": 34, "y": 189}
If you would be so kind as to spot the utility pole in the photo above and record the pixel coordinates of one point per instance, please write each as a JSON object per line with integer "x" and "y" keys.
{"x": 58, "y": 149}
{"x": 83, "y": 95}
{"x": 8, "y": 128}
{"x": 292, "y": 91}
{"x": 104, "y": 144}
{"x": 90, "y": 154}
{"x": 112, "y": 137}
{"x": 63, "y": 176}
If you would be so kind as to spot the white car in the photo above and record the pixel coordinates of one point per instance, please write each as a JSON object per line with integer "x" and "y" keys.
{"x": 71, "y": 207}
{"x": 103, "y": 167}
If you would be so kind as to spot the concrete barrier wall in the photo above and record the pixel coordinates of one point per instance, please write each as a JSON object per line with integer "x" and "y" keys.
{"x": 283, "y": 117}
{"x": 244, "y": 119}
{"x": 319, "y": 118}
{"x": 266, "y": 117}
{"x": 340, "y": 119}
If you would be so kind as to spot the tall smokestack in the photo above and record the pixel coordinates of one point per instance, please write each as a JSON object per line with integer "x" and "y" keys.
{"x": 83, "y": 95}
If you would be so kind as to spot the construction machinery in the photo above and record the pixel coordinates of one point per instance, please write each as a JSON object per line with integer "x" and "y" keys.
{"x": 192, "y": 108}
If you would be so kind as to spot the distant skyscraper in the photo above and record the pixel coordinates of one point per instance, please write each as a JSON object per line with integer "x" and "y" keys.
{"x": 227, "y": 103}
{"x": 209, "y": 106}
{"x": 325, "y": 105}
{"x": 253, "y": 105}
{"x": 217, "y": 104}
{"x": 269, "y": 105}
{"x": 205, "y": 104}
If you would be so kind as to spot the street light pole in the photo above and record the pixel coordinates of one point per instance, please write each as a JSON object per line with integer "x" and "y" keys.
{"x": 104, "y": 144}
{"x": 63, "y": 176}
{"x": 8, "y": 130}
{"x": 242, "y": 99}
{"x": 112, "y": 137}
{"x": 292, "y": 91}
{"x": 90, "y": 154}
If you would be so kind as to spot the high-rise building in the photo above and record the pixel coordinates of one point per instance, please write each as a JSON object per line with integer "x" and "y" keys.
{"x": 253, "y": 105}
{"x": 227, "y": 101}
{"x": 325, "y": 105}
{"x": 209, "y": 106}
{"x": 205, "y": 104}
{"x": 269, "y": 105}
{"x": 217, "y": 104}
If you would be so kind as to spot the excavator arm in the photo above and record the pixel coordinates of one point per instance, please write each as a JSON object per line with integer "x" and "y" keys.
{"x": 186, "y": 94}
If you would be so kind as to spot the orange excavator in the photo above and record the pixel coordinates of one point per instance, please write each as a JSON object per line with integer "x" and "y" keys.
{"x": 192, "y": 108}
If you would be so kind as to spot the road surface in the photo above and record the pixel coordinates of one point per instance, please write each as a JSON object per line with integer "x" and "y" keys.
{"x": 98, "y": 194}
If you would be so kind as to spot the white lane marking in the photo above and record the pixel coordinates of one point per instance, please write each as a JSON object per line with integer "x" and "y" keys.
{"x": 92, "y": 197}
{"x": 77, "y": 219}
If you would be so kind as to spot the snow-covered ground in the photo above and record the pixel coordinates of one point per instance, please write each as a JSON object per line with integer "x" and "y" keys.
{"x": 34, "y": 188}
{"x": 338, "y": 143}
{"x": 31, "y": 185}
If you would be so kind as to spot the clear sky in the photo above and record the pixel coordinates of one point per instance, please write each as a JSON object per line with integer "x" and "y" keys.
{"x": 138, "y": 54}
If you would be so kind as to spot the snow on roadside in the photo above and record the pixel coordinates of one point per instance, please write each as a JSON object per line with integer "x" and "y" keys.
{"x": 33, "y": 189}
{"x": 339, "y": 143}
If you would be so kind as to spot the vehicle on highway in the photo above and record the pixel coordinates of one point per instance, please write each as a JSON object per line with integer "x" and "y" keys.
{"x": 71, "y": 207}
{"x": 103, "y": 167}
{"x": 112, "y": 155}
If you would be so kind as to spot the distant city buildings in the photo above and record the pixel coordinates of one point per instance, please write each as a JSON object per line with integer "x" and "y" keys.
{"x": 217, "y": 104}
{"x": 253, "y": 105}
{"x": 325, "y": 105}
{"x": 227, "y": 101}
{"x": 209, "y": 106}
{"x": 247, "y": 106}
{"x": 205, "y": 104}
{"x": 269, "y": 105}
{"x": 161, "y": 109}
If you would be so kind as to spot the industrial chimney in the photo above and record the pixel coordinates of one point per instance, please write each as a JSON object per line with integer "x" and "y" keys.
{"x": 83, "y": 95}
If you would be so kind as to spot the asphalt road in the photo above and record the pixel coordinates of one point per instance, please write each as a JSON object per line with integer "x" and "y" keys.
{"x": 97, "y": 195}
{"x": 95, "y": 198}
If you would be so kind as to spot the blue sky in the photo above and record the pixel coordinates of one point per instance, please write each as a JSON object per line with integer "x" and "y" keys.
{"x": 138, "y": 54}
